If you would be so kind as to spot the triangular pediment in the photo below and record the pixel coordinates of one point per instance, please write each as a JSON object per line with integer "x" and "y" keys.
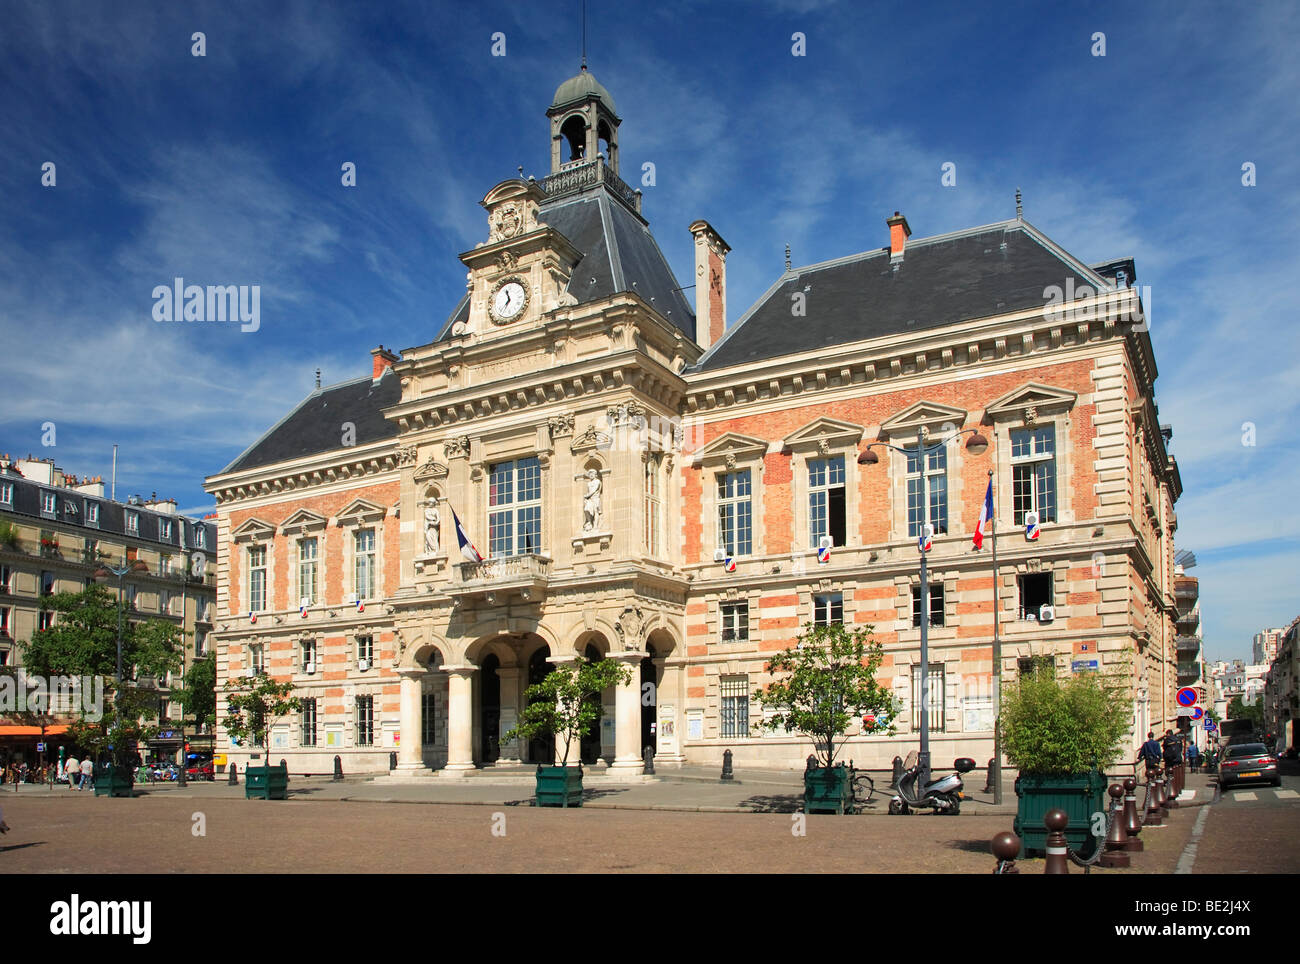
{"x": 302, "y": 520}
{"x": 731, "y": 447}
{"x": 932, "y": 415}
{"x": 1041, "y": 398}
{"x": 824, "y": 433}
{"x": 360, "y": 510}
{"x": 252, "y": 529}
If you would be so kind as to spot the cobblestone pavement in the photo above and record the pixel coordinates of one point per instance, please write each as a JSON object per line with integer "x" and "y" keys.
{"x": 63, "y": 832}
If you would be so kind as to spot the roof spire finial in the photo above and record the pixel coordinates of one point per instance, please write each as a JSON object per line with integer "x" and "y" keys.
{"x": 1020, "y": 208}
{"x": 787, "y": 257}
{"x": 584, "y": 34}
{"x": 318, "y": 378}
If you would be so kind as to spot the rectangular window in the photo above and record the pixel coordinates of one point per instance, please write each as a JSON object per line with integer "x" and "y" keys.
{"x": 49, "y": 505}
{"x": 6, "y": 576}
{"x": 6, "y": 493}
{"x": 935, "y": 700}
{"x": 309, "y": 722}
{"x": 735, "y": 514}
{"x": 200, "y": 537}
{"x": 734, "y": 691}
{"x": 826, "y": 501}
{"x": 366, "y": 649}
{"x": 130, "y": 598}
{"x": 165, "y": 530}
{"x": 653, "y": 507}
{"x": 365, "y": 720}
{"x": 308, "y": 655}
{"x": 47, "y": 619}
{"x": 4, "y": 657}
{"x": 257, "y": 578}
{"x": 164, "y": 602}
{"x": 1028, "y": 665}
{"x": 936, "y": 481}
{"x": 4, "y": 622}
{"x": 428, "y": 718}
{"x": 1035, "y": 593}
{"x": 828, "y": 609}
{"x": 47, "y": 583}
{"x": 133, "y": 523}
{"x": 1033, "y": 473}
{"x": 200, "y": 641}
{"x": 515, "y": 508}
{"x": 936, "y": 605}
{"x": 364, "y": 563}
{"x": 256, "y": 659}
{"x": 307, "y": 571}
{"x": 92, "y": 514}
{"x": 734, "y": 619}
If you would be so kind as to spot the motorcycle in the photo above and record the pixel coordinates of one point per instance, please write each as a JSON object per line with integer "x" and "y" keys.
{"x": 943, "y": 795}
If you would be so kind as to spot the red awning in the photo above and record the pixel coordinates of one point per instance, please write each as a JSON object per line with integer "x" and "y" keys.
{"x": 55, "y": 729}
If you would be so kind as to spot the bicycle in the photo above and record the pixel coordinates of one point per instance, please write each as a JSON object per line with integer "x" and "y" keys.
{"x": 861, "y": 788}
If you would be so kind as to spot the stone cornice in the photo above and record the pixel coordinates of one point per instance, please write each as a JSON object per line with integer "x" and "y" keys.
{"x": 338, "y": 465}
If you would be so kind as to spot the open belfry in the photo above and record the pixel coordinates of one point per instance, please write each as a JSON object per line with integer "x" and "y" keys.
{"x": 585, "y": 463}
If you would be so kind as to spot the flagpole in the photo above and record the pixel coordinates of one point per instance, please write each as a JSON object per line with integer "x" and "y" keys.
{"x": 997, "y": 647}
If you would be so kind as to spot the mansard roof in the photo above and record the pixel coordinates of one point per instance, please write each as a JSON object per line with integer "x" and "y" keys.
{"x": 983, "y": 272}
{"x": 619, "y": 255}
{"x": 316, "y": 425}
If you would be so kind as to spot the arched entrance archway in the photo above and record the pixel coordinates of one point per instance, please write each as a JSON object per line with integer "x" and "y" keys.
{"x": 540, "y": 749}
{"x": 490, "y": 708}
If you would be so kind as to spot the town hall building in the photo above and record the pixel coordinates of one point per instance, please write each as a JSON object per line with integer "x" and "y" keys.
{"x": 648, "y": 484}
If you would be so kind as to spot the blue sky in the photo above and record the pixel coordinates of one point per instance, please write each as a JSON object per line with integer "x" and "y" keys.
{"x": 225, "y": 169}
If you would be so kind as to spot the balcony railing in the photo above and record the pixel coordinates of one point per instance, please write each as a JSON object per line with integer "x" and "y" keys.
{"x": 1187, "y": 644}
{"x": 520, "y": 575}
{"x": 580, "y": 176}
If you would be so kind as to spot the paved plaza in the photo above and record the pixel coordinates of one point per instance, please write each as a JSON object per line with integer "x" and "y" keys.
{"x": 679, "y": 825}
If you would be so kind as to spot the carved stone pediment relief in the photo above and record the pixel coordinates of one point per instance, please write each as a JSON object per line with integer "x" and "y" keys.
{"x": 629, "y": 626}
{"x": 1031, "y": 401}
{"x": 432, "y": 469}
{"x": 823, "y": 435}
{"x": 730, "y": 449}
{"x": 929, "y": 415}
{"x": 592, "y": 438}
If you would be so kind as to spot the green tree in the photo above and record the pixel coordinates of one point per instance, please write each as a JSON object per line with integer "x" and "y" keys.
{"x": 198, "y": 696}
{"x": 255, "y": 706}
{"x": 1237, "y": 710}
{"x": 83, "y": 642}
{"x": 1067, "y": 726}
{"x": 562, "y": 705}
{"x": 831, "y": 680}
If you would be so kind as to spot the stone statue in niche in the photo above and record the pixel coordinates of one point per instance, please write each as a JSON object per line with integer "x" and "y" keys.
{"x": 432, "y": 527}
{"x": 591, "y": 507}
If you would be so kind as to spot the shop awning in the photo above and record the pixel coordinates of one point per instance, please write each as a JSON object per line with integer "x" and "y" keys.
{"x": 9, "y": 729}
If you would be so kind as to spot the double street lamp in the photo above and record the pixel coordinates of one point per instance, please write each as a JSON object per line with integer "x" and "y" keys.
{"x": 101, "y": 576}
{"x": 977, "y": 445}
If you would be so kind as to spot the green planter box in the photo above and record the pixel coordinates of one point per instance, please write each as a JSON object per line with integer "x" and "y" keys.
{"x": 1080, "y": 795}
{"x": 826, "y": 790}
{"x": 559, "y": 786}
{"x": 113, "y": 781}
{"x": 266, "y": 783}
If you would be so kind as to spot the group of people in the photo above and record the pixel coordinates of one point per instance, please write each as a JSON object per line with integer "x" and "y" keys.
{"x": 78, "y": 773}
{"x": 1168, "y": 751}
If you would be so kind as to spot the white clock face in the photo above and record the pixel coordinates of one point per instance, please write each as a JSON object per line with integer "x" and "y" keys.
{"x": 509, "y": 301}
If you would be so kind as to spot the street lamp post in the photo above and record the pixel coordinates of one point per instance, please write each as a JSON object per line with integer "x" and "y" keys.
{"x": 101, "y": 576}
{"x": 977, "y": 444}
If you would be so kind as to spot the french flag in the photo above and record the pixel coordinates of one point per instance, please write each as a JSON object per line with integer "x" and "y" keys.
{"x": 466, "y": 547}
{"x": 986, "y": 513}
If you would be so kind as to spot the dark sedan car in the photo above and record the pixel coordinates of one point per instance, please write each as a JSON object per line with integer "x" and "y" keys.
{"x": 1247, "y": 762}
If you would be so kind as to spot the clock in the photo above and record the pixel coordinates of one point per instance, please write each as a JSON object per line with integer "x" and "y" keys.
{"x": 509, "y": 298}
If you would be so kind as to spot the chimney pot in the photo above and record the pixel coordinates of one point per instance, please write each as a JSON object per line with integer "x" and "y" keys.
{"x": 899, "y": 232}
{"x": 382, "y": 359}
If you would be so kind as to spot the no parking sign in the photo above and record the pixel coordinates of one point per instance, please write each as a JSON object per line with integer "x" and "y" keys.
{"x": 1186, "y": 696}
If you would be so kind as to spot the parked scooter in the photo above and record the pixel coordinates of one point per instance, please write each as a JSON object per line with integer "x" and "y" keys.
{"x": 943, "y": 795}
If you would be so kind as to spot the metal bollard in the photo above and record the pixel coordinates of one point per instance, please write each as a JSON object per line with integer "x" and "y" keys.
{"x": 1154, "y": 816}
{"x": 1057, "y": 846}
{"x": 898, "y": 772}
{"x": 392, "y": 760}
{"x": 1162, "y": 796}
{"x": 988, "y": 783}
{"x": 338, "y": 768}
{"x": 648, "y": 760}
{"x": 234, "y": 775}
{"x": 1132, "y": 822}
{"x": 1005, "y": 846}
{"x": 1116, "y": 855}
{"x": 727, "y": 773}
{"x": 286, "y": 769}
{"x": 1171, "y": 787}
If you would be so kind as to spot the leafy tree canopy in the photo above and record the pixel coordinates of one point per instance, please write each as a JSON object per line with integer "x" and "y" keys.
{"x": 561, "y": 705}
{"x": 1068, "y": 726}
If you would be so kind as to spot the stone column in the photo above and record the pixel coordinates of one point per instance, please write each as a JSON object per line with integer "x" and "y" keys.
{"x": 627, "y": 716}
{"x": 509, "y": 677}
{"x": 460, "y": 719}
{"x": 410, "y": 754}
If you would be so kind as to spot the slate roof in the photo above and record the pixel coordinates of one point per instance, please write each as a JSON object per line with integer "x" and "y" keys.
{"x": 316, "y": 425}
{"x": 945, "y": 280}
{"x": 619, "y": 255}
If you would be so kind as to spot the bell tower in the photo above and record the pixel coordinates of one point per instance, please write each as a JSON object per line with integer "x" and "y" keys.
{"x": 584, "y": 123}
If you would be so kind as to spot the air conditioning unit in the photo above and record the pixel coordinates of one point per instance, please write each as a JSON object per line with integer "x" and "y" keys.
{"x": 826, "y": 542}
{"x": 363, "y": 665}
{"x": 719, "y": 555}
{"x": 310, "y": 668}
{"x": 1046, "y": 614}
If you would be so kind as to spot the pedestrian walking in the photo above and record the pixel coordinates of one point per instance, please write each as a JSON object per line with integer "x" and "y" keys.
{"x": 1194, "y": 757}
{"x": 72, "y": 770}
{"x": 1172, "y": 749}
{"x": 1150, "y": 754}
{"x": 87, "y": 773}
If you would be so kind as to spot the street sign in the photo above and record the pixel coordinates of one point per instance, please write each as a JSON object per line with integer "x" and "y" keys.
{"x": 1210, "y": 725}
{"x": 1186, "y": 696}
{"x": 1197, "y": 713}
{"x": 40, "y": 747}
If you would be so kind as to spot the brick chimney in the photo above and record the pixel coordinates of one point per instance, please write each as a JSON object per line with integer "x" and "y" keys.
{"x": 710, "y": 284}
{"x": 383, "y": 360}
{"x": 899, "y": 232}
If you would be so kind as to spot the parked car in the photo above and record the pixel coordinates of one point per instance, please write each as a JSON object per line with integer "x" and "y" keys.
{"x": 1247, "y": 763}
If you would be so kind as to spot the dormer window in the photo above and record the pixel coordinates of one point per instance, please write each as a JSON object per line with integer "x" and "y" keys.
{"x": 49, "y": 505}
{"x": 133, "y": 523}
